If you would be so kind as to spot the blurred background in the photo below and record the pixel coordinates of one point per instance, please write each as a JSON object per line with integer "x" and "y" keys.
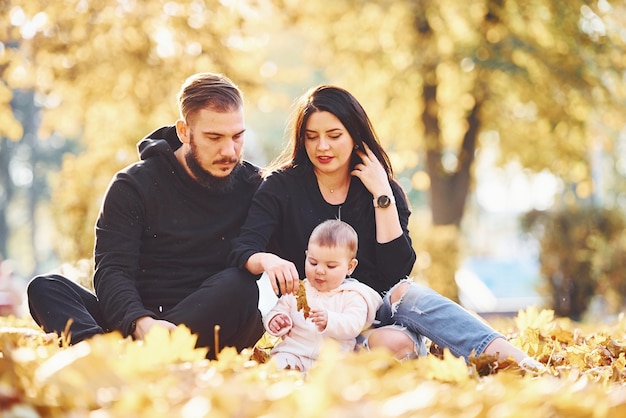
{"x": 504, "y": 120}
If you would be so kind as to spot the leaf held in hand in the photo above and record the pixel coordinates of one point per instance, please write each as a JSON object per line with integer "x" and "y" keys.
{"x": 303, "y": 305}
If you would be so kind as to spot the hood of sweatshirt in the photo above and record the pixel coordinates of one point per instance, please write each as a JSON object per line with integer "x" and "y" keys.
{"x": 372, "y": 297}
{"x": 162, "y": 139}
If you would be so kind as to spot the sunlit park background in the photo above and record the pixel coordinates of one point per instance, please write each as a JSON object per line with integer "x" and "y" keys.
{"x": 505, "y": 122}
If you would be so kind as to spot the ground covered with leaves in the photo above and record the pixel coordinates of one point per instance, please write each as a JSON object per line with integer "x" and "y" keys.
{"x": 165, "y": 376}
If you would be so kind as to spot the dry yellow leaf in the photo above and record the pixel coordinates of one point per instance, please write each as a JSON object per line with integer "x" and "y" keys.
{"x": 303, "y": 304}
{"x": 165, "y": 376}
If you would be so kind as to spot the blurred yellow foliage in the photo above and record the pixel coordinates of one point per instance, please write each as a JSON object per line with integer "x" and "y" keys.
{"x": 166, "y": 376}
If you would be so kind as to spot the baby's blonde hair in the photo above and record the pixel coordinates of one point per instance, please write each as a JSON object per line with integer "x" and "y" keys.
{"x": 335, "y": 233}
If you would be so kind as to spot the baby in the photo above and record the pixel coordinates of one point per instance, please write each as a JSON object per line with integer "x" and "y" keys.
{"x": 340, "y": 307}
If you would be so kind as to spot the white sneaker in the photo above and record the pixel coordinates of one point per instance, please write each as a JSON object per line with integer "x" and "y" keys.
{"x": 532, "y": 365}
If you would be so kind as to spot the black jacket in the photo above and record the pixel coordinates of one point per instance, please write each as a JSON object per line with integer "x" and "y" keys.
{"x": 289, "y": 205}
{"x": 160, "y": 234}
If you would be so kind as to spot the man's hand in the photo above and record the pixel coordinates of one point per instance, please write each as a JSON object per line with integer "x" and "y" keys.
{"x": 278, "y": 323}
{"x": 145, "y": 323}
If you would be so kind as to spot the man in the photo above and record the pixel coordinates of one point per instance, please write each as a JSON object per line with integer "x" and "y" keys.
{"x": 164, "y": 231}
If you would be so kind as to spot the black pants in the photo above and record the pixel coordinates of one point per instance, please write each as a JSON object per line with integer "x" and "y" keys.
{"x": 229, "y": 299}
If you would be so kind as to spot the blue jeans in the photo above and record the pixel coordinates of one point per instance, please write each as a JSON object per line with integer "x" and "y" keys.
{"x": 422, "y": 312}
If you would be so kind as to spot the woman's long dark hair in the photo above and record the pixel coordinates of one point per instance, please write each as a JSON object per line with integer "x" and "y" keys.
{"x": 347, "y": 109}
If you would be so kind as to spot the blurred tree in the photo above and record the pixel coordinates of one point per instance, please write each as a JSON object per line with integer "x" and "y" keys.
{"x": 6, "y": 193}
{"x": 25, "y": 166}
{"x": 540, "y": 77}
{"x": 582, "y": 249}
{"x": 108, "y": 72}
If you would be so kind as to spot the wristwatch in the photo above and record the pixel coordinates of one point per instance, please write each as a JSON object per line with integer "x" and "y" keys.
{"x": 384, "y": 201}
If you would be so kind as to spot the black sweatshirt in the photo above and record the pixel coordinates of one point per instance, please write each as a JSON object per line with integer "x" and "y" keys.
{"x": 160, "y": 234}
{"x": 289, "y": 205}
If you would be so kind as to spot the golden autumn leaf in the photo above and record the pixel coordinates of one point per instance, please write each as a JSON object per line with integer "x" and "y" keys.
{"x": 73, "y": 377}
{"x": 108, "y": 376}
{"x": 616, "y": 348}
{"x": 486, "y": 364}
{"x": 159, "y": 348}
{"x": 448, "y": 369}
{"x": 303, "y": 304}
{"x": 533, "y": 318}
{"x": 529, "y": 341}
{"x": 561, "y": 335}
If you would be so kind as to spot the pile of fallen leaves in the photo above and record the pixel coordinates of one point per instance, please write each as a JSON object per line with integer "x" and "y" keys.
{"x": 165, "y": 376}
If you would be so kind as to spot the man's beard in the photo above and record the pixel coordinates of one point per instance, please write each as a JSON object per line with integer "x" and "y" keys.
{"x": 206, "y": 179}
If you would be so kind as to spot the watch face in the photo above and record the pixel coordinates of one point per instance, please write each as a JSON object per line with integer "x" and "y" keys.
{"x": 383, "y": 201}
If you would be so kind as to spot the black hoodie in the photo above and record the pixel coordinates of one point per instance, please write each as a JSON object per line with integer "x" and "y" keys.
{"x": 160, "y": 234}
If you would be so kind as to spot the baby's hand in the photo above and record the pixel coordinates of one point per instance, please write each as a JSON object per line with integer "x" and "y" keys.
{"x": 319, "y": 318}
{"x": 278, "y": 322}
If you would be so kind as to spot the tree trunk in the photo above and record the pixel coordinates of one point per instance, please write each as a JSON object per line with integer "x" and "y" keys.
{"x": 6, "y": 194}
{"x": 30, "y": 125}
{"x": 449, "y": 189}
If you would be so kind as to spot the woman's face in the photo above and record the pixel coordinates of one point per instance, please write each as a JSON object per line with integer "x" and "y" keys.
{"x": 328, "y": 144}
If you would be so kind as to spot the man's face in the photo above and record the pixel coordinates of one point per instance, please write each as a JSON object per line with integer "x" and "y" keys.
{"x": 215, "y": 145}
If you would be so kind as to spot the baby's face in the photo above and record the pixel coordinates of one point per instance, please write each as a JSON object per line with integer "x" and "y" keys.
{"x": 326, "y": 267}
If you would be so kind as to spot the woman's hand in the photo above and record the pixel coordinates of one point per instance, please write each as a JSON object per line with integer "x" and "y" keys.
{"x": 374, "y": 177}
{"x": 282, "y": 274}
{"x": 320, "y": 318}
{"x": 372, "y": 173}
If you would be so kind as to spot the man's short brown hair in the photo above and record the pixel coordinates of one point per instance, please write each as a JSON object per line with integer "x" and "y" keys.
{"x": 208, "y": 90}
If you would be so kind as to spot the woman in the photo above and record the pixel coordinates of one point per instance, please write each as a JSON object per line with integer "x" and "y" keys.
{"x": 335, "y": 167}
